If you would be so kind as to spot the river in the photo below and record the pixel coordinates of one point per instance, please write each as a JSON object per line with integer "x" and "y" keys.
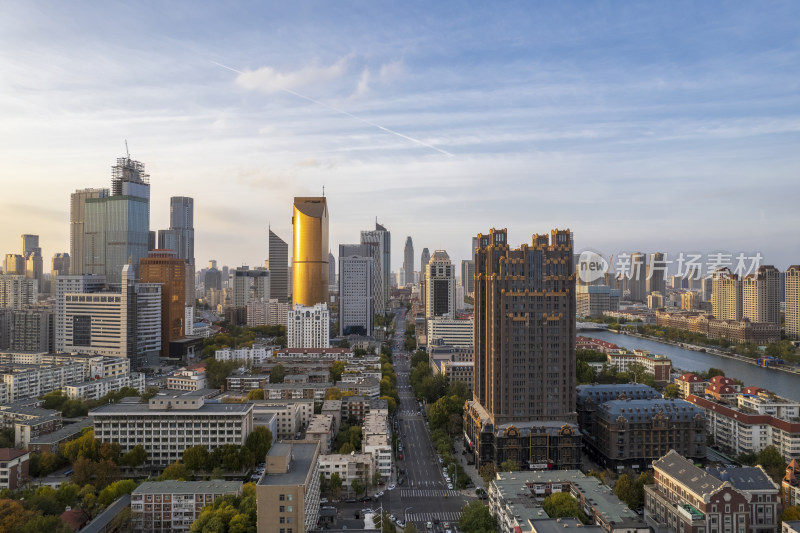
{"x": 781, "y": 383}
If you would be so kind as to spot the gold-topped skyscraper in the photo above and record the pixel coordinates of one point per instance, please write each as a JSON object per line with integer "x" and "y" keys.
{"x": 310, "y": 251}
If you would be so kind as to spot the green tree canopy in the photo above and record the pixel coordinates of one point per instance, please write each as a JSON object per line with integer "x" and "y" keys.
{"x": 259, "y": 442}
{"x": 176, "y": 470}
{"x": 255, "y": 394}
{"x": 195, "y": 457}
{"x": 562, "y": 505}
{"x": 136, "y": 457}
{"x": 277, "y": 374}
{"x": 509, "y": 465}
{"x": 476, "y": 518}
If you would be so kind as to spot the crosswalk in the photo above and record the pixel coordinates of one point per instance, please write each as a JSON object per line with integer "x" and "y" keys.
{"x": 442, "y": 516}
{"x": 409, "y": 412}
{"x": 427, "y": 493}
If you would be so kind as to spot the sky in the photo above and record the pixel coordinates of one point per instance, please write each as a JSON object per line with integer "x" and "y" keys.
{"x": 671, "y": 126}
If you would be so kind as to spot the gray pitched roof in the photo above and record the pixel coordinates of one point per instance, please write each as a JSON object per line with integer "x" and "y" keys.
{"x": 749, "y": 478}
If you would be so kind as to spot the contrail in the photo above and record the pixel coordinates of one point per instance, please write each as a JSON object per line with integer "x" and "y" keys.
{"x": 343, "y": 112}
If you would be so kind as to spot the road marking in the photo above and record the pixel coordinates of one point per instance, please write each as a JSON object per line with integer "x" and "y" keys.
{"x": 428, "y": 493}
{"x": 442, "y": 516}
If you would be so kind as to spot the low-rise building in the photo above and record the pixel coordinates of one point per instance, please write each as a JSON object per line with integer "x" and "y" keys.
{"x": 687, "y": 499}
{"x": 369, "y": 387}
{"x": 13, "y": 468}
{"x": 656, "y": 364}
{"x": 293, "y": 415}
{"x": 255, "y": 356}
{"x": 515, "y": 499}
{"x": 287, "y": 495}
{"x": 171, "y": 422}
{"x": 97, "y": 388}
{"x": 187, "y": 380}
{"x": 689, "y": 384}
{"x": 376, "y": 441}
{"x": 284, "y": 391}
{"x": 321, "y": 429}
{"x": 166, "y": 506}
{"x": 49, "y": 442}
{"x": 349, "y": 466}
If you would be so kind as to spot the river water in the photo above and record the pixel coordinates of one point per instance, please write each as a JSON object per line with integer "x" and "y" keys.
{"x": 781, "y": 383}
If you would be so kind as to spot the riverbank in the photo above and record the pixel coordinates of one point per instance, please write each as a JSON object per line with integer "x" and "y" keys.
{"x": 789, "y": 369}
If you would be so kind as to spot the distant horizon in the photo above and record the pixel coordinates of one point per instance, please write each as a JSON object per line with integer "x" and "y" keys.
{"x": 637, "y": 126}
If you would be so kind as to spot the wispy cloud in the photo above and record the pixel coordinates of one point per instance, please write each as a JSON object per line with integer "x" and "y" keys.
{"x": 270, "y": 80}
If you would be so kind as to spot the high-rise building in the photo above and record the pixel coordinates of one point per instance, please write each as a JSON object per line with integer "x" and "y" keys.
{"x": 308, "y": 327}
{"x": 792, "y": 294}
{"x": 212, "y": 278}
{"x": 423, "y": 261}
{"x": 637, "y": 277}
{"x": 14, "y": 265}
{"x": 331, "y": 269}
{"x": 124, "y": 322}
{"x": 381, "y": 237}
{"x": 17, "y": 291}
{"x": 278, "y": 268}
{"x": 706, "y": 286}
{"x": 180, "y": 238}
{"x": 440, "y": 286}
{"x": 82, "y": 284}
{"x": 77, "y": 226}
{"x": 117, "y": 227}
{"x": 355, "y": 289}
{"x": 525, "y": 328}
{"x": 760, "y": 295}
{"x": 59, "y": 266}
{"x": 657, "y": 274}
{"x": 250, "y": 285}
{"x": 30, "y": 244}
{"x": 726, "y": 295}
{"x": 32, "y": 329}
{"x": 468, "y": 276}
{"x": 309, "y": 258}
{"x": 524, "y": 365}
{"x": 408, "y": 262}
{"x": 166, "y": 268}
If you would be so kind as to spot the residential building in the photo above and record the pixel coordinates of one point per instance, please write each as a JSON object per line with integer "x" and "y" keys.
{"x": 349, "y": 466}
{"x": 594, "y": 300}
{"x": 726, "y": 295}
{"x": 655, "y": 300}
{"x": 293, "y": 415}
{"x": 287, "y": 495}
{"x": 166, "y": 506}
{"x": 278, "y": 268}
{"x": 212, "y": 278}
{"x": 591, "y": 397}
{"x": 321, "y": 429}
{"x": 117, "y": 227}
{"x": 97, "y": 388}
{"x": 657, "y": 274}
{"x": 310, "y": 255}
{"x": 13, "y": 468}
{"x": 376, "y": 441}
{"x": 32, "y": 329}
{"x": 761, "y": 295}
{"x": 169, "y": 270}
{"x": 257, "y": 355}
{"x": 515, "y": 500}
{"x": 24, "y": 381}
{"x": 308, "y": 327}
{"x": 689, "y": 301}
{"x": 454, "y": 371}
{"x": 689, "y": 384}
{"x": 248, "y": 285}
{"x": 688, "y": 499}
{"x": 59, "y": 266}
{"x": 171, "y": 422}
{"x": 792, "y": 301}
{"x": 408, "y": 262}
{"x": 270, "y": 312}
{"x": 440, "y": 286}
{"x": 17, "y": 291}
{"x": 356, "y": 297}
{"x": 656, "y": 364}
{"x": 187, "y": 380}
{"x": 637, "y": 277}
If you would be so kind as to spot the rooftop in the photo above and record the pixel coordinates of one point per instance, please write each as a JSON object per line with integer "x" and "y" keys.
{"x": 744, "y": 478}
{"x": 215, "y": 486}
{"x": 210, "y": 408}
{"x": 302, "y": 454}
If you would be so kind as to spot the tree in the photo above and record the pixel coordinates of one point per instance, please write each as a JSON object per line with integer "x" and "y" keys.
{"x": 637, "y": 371}
{"x": 790, "y": 513}
{"x": 13, "y": 515}
{"x": 671, "y": 391}
{"x": 176, "y": 470}
{"x": 476, "y": 518}
{"x": 136, "y": 457}
{"x": 255, "y": 394}
{"x": 195, "y": 458}
{"x": 335, "y": 485}
{"x": 772, "y": 462}
{"x": 333, "y": 393}
{"x": 624, "y": 490}
{"x": 509, "y": 465}
{"x": 488, "y": 472}
{"x": 410, "y": 528}
{"x": 114, "y": 491}
{"x": 357, "y": 486}
{"x": 259, "y": 442}
{"x": 84, "y": 446}
{"x": 336, "y": 370}
{"x": 217, "y": 371}
{"x": 277, "y": 374}
{"x": 562, "y": 505}
{"x": 384, "y": 523}
{"x": 346, "y": 448}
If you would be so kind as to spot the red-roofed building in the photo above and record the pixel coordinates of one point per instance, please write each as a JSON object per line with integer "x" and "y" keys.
{"x": 13, "y": 467}
{"x": 75, "y": 518}
{"x": 689, "y": 384}
{"x": 721, "y": 392}
{"x": 589, "y": 343}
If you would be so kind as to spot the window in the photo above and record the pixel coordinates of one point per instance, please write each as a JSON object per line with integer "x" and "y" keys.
{"x": 281, "y": 497}
{"x": 281, "y": 508}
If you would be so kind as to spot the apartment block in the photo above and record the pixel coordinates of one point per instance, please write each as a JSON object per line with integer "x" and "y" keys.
{"x": 321, "y": 429}
{"x": 270, "y": 312}
{"x": 166, "y": 506}
{"x": 288, "y": 493}
{"x": 726, "y": 295}
{"x": 376, "y": 441}
{"x": 594, "y": 300}
{"x": 348, "y": 466}
{"x": 97, "y": 388}
{"x": 689, "y": 384}
{"x": 171, "y": 422}
{"x": 761, "y": 295}
{"x": 13, "y": 468}
{"x": 17, "y": 291}
{"x": 656, "y": 364}
{"x": 450, "y": 331}
{"x": 792, "y": 301}
{"x": 308, "y": 327}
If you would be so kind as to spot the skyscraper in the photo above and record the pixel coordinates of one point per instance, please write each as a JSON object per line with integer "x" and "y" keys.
{"x": 212, "y": 278}
{"x": 77, "y": 227}
{"x": 14, "y": 265}
{"x": 468, "y": 276}
{"x": 525, "y": 327}
{"x": 637, "y": 277}
{"x": 440, "y": 283}
{"x": 726, "y": 295}
{"x": 309, "y": 255}
{"x": 791, "y": 281}
{"x": 331, "y": 269}
{"x": 59, "y": 266}
{"x": 381, "y": 237}
{"x": 423, "y": 261}
{"x": 525, "y": 351}
{"x": 408, "y": 262}
{"x": 117, "y": 227}
{"x": 278, "y": 268}
{"x": 657, "y": 274}
{"x": 180, "y": 238}
{"x": 166, "y": 268}
{"x": 355, "y": 289}
{"x": 760, "y": 295}
{"x": 34, "y": 264}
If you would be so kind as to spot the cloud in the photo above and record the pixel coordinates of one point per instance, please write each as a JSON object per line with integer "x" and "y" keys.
{"x": 391, "y": 71}
{"x": 270, "y": 80}
{"x": 363, "y": 84}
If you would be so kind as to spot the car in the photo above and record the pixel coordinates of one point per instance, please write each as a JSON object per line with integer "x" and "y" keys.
{"x": 440, "y": 460}
{"x": 323, "y": 500}
{"x": 401, "y": 481}
{"x": 429, "y": 525}
{"x": 450, "y": 486}
{"x": 446, "y": 525}
{"x": 448, "y": 531}
{"x": 391, "y": 487}
{"x": 392, "y": 518}
{"x": 350, "y": 500}
{"x": 367, "y": 511}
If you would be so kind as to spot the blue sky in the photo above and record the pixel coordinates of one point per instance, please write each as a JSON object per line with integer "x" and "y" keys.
{"x": 640, "y": 126}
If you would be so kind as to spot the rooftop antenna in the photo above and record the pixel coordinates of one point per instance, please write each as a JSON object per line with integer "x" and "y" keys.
{"x": 323, "y": 191}
{"x": 126, "y": 149}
